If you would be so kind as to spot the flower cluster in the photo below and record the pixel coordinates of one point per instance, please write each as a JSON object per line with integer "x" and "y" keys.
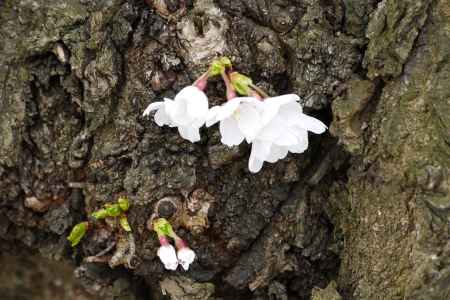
{"x": 274, "y": 126}
{"x": 166, "y": 252}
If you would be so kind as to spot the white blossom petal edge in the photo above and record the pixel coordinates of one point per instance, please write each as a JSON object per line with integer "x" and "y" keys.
{"x": 168, "y": 257}
{"x": 240, "y": 118}
{"x": 188, "y": 111}
{"x": 285, "y": 129}
{"x": 185, "y": 257}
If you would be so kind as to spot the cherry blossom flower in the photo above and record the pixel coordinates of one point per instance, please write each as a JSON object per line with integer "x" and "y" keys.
{"x": 167, "y": 254}
{"x": 284, "y": 129}
{"x": 188, "y": 112}
{"x": 185, "y": 254}
{"x": 240, "y": 118}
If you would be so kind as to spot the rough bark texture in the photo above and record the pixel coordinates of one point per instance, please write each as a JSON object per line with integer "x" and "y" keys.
{"x": 363, "y": 214}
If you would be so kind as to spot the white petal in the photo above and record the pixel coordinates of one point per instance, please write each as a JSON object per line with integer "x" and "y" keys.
{"x": 211, "y": 118}
{"x": 197, "y": 123}
{"x": 178, "y": 113}
{"x": 230, "y": 132}
{"x": 189, "y": 133}
{"x": 197, "y": 106}
{"x": 185, "y": 257}
{"x": 152, "y": 106}
{"x": 249, "y": 120}
{"x": 261, "y": 149}
{"x": 272, "y": 105}
{"x": 311, "y": 124}
{"x": 291, "y": 113}
{"x": 168, "y": 257}
{"x": 254, "y": 163}
{"x": 188, "y": 92}
{"x": 287, "y": 138}
{"x": 228, "y": 108}
{"x": 277, "y": 153}
{"x": 302, "y": 145}
{"x": 169, "y": 105}
{"x": 161, "y": 118}
{"x": 273, "y": 130}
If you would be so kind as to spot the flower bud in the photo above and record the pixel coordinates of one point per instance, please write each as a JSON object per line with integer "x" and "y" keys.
{"x": 167, "y": 255}
{"x": 241, "y": 83}
{"x": 186, "y": 255}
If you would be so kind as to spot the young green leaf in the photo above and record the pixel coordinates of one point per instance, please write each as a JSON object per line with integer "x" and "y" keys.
{"x": 77, "y": 233}
{"x": 123, "y": 220}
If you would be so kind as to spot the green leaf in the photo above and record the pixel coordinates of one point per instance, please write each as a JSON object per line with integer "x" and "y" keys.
{"x": 124, "y": 223}
{"x": 124, "y": 203}
{"x": 77, "y": 233}
{"x": 100, "y": 214}
{"x": 113, "y": 210}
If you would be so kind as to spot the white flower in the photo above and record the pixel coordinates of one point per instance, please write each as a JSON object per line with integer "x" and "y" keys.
{"x": 188, "y": 112}
{"x": 185, "y": 257}
{"x": 240, "y": 118}
{"x": 285, "y": 129}
{"x": 168, "y": 257}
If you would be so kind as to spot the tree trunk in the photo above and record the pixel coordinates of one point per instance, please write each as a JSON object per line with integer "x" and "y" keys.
{"x": 362, "y": 214}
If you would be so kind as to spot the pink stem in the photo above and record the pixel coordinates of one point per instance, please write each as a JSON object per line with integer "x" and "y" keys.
{"x": 163, "y": 240}
{"x": 202, "y": 81}
{"x": 255, "y": 94}
{"x": 231, "y": 94}
{"x": 179, "y": 243}
{"x": 260, "y": 91}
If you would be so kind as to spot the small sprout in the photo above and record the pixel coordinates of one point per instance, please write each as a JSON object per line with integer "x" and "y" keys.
{"x": 100, "y": 214}
{"x": 78, "y": 233}
{"x": 123, "y": 220}
{"x": 123, "y": 203}
{"x": 113, "y": 210}
{"x": 108, "y": 211}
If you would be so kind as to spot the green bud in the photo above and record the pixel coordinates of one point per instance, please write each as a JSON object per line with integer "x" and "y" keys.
{"x": 218, "y": 66}
{"x": 124, "y": 223}
{"x": 124, "y": 203}
{"x": 100, "y": 214}
{"x": 113, "y": 210}
{"x": 163, "y": 227}
{"x": 241, "y": 83}
{"x": 77, "y": 233}
{"x": 226, "y": 62}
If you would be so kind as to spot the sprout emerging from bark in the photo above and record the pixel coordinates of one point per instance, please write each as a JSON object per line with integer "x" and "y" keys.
{"x": 115, "y": 210}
